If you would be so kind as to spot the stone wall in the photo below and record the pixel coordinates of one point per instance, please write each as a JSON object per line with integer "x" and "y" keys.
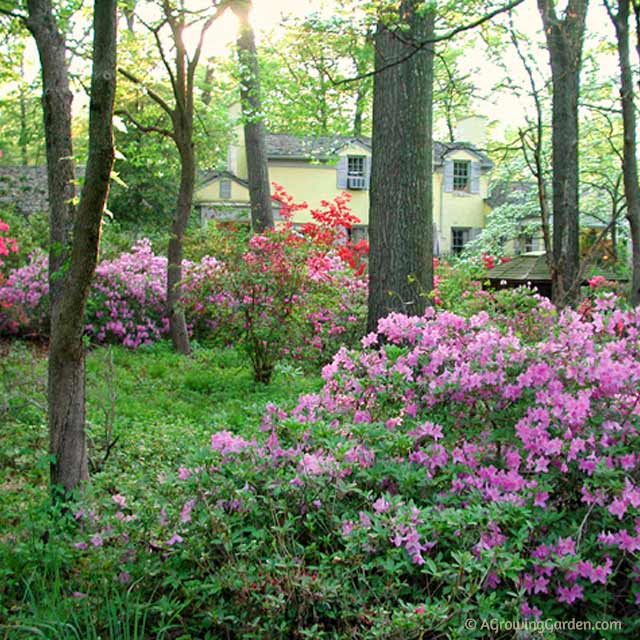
{"x": 24, "y": 188}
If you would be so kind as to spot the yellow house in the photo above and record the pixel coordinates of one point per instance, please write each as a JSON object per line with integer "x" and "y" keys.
{"x": 315, "y": 168}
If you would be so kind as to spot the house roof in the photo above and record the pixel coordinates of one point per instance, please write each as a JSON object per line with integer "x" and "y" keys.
{"x": 210, "y": 176}
{"x": 288, "y": 146}
{"x": 442, "y": 149}
{"x": 531, "y": 267}
{"x": 293, "y": 147}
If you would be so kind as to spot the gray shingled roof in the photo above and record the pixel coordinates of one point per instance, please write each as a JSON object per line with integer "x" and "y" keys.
{"x": 287, "y": 146}
{"x": 532, "y": 267}
{"x": 292, "y": 147}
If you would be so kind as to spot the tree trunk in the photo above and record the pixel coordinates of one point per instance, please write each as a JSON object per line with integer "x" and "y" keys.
{"x": 177, "y": 321}
{"x": 22, "y": 141}
{"x": 564, "y": 41}
{"x": 67, "y": 439}
{"x": 630, "y": 162}
{"x": 401, "y": 209}
{"x": 254, "y": 131}
{"x": 56, "y": 106}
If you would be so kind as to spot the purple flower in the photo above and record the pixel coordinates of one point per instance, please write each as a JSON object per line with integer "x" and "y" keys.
{"x": 175, "y": 539}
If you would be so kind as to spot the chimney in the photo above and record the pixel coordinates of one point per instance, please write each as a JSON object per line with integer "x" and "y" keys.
{"x": 472, "y": 130}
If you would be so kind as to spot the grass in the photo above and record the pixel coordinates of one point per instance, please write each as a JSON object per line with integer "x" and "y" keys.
{"x": 147, "y": 412}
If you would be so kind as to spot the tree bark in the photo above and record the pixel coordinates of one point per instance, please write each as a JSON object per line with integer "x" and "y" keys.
{"x": 72, "y": 279}
{"x": 564, "y": 40}
{"x": 182, "y": 77}
{"x": 177, "y": 321}
{"x": 620, "y": 21}
{"x": 254, "y": 130}
{"x": 401, "y": 210}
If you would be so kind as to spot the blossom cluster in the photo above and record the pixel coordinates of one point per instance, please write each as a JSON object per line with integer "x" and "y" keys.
{"x": 446, "y": 450}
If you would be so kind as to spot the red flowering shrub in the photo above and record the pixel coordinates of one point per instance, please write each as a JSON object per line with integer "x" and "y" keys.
{"x": 290, "y": 292}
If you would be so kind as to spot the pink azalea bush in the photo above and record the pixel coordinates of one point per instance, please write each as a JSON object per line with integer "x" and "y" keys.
{"x": 282, "y": 295}
{"x": 447, "y": 470}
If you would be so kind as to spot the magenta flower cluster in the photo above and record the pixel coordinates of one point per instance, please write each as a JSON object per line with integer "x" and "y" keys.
{"x": 452, "y": 445}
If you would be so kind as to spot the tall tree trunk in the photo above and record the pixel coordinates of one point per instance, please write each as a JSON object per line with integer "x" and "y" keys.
{"x": 254, "y": 131}
{"x": 22, "y": 141}
{"x": 67, "y": 439}
{"x": 56, "y": 106}
{"x": 564, "y": 40}
{"x": 177, "y": 320}
{"x": 620, "y": 21}
{"x": 208, "y": 82}
{"x": 401, "y": 209}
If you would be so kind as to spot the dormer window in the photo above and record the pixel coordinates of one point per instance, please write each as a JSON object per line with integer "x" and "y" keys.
{"x": 356, "y": 177}
{"x": 462, "y": 175}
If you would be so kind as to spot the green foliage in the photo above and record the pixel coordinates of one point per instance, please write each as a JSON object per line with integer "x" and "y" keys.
{"x": 212, "y": 390}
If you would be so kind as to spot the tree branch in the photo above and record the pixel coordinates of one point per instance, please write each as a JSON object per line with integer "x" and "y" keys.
{"x": 143, "y": 127}
{"x": 152, "y": 94}
{"x": 419, "y": 46}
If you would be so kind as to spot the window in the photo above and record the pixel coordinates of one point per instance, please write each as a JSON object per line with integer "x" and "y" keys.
{"x": 461, "y": 175}
{"x": 356, "y": 178}
{"x": 530, "y": 243}
{"x": 459, "y": 237}
{"x": 225, "y": 188}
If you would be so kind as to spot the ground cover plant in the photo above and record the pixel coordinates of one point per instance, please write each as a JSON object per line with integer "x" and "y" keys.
{"x": 448, "y": 468}
{"x": 147, "y": 409}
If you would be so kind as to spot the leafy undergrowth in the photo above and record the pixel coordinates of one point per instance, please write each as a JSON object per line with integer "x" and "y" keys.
{"x": 147, "y": 412}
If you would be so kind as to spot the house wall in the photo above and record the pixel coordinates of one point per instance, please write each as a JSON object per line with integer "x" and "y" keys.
{"x": 210, "y": 192}
{"x": 313, "y": 183}
{"x": 316, "y": 182}
{"x": 458, "y": 209}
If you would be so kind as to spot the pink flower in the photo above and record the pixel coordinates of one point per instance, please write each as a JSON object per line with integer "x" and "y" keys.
{"x": 347, "y": 527}
{"x": 96, "y": 540}
{"x": 175, "y": 539}
{"x": 120, "y": 500}
{"x": 381, "y": 505}
{"x": 570, "y": 594}
{"x": 124, "y": 577}
{"x": 226, "y": 442}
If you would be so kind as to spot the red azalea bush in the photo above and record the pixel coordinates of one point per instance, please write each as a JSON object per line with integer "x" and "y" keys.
{"x": 291, "y": 291}
{"x": 7, "y": 244}
{"x": 447, "y": 471}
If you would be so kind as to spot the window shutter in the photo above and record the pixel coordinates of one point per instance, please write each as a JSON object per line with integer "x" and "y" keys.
{"x": 342, "y": 170}
{"x": 475, "y": 233}
{"x": 475, "y": 177}
{"x": 448, "y": 176}
{"x": 367, "y": 172}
